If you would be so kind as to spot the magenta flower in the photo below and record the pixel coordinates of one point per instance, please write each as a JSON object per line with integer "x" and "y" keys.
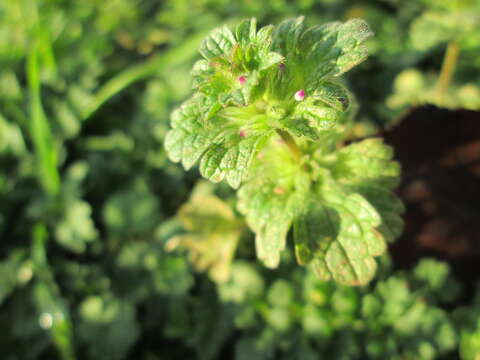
{"x": 300, "y": 95}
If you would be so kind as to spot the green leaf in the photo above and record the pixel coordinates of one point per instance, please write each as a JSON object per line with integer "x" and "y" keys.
{"x": 226, "y": 149}
{"x": 413, "y": 88}
{"x": 315, "y": 116}
{"x": 246, "y": 31}
{"x": 299, "y": 126}
{"x": 315, "y": 227}
{"x": 341, "y": 45}
{"x": 107, "y": 326}
{"x": 133, "y": 211}
{"x": 228, "y": 57}
{"x": 245, "y": 285}
{"x": 287, "y": 34}
{"x": 201, "y": 71}
{"x": 319, "y": 116}
{"x": 366, "y": 168}
{"x": 332, "y": 94}
{"x": 191, "y": 134}
{"x": 388, "y": 206}
{"x": 342, "y": 208}
{"x": 269, "y": 213}
{"x": 434, "y": 277}
{"x": 15, "y": 270}
{"x": 346, "y": 224}
{"x": 312, "y": 56}
{"x": 11, "y": 138}
{"x": 232, "y": 159}
{"x": 76, "y": 229}
{"x": 433, "y": 28}
{"x": 270, "y": 59}
{"x": 367, "y": 161}
{"x": 346, "y": 253}
{"x": 269, "y": 199}
{"x": 250, "y": 60}
{"x": 329, "y": 49}
{"x": 219, "y": 42}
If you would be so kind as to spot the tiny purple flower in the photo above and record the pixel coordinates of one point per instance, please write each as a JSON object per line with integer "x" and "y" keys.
{"x": 300, "y": 95}
{"x": 242, "y": 133}
{"x": 242, "y": 80}
{"x": 281, "y": 66}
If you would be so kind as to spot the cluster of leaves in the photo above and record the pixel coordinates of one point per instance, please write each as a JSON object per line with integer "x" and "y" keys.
{"x": 298, "y": 316}
{"x": 103, "y": 237}
{"x": 451, "y": 23}
{"x": 66, "y": 222}
{"x": 413, "y": 88}
{"x": 268, "y": 114}
{"x": 433, "y": 60}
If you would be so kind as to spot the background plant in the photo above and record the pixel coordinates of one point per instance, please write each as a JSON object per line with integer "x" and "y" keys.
{"x": 89, "y": 198}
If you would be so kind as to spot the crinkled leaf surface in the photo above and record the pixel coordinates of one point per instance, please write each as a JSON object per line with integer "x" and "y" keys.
{"x": 370, "y": 172}
{"x": 270, "y": 200}
{"x": 322, "y": 50}
{"x": 203, "y": 127}
{"x": 269, "y": 213}
{"x": 347, "y": 250}
{"x": 225, "y": 148}
{"x": 268, "y": 114}
{"x": 220, "y": 42}
{"x": 353, "y": 216}
{"x": 245, "y": 92}
{"x": 343, "y": 213}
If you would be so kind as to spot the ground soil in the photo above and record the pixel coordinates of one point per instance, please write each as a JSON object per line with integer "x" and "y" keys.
{"x": 439, "y": 151}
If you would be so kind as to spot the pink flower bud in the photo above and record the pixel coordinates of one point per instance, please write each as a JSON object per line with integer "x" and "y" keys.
{"x": 242, "y": 133}
{"x": 300, "y": 95}
{"x": 242, "y": 80}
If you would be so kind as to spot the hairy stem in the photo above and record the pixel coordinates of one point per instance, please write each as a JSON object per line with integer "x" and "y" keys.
{"x": 291, "y": 144}
{"x": 448, "y": 68}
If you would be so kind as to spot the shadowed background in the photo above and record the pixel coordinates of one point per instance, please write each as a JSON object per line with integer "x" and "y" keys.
{"x": 110, "y": 251}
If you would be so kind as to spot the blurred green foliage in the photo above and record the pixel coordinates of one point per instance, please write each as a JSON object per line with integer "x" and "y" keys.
{"x": 89, "y": 201}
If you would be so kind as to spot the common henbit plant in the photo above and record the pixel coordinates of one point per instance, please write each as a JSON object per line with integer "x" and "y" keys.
{"x": 269, "y": 115}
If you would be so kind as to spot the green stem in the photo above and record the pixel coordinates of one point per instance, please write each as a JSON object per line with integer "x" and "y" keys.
{"x": 39, "y": 127}
{"x": 135, "y": 73}
{"x": 291, "y": 144}
{"x": 47, "y": 297}
{"x": 448, "y": 68}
